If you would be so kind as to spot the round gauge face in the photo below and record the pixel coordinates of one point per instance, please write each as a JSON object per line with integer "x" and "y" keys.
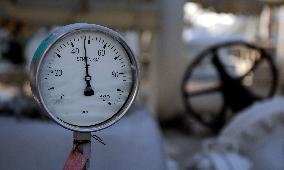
{"x": 85, "y": 78}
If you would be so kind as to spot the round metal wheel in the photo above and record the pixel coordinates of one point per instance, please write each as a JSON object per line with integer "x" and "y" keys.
{"x": 236, "y": 73}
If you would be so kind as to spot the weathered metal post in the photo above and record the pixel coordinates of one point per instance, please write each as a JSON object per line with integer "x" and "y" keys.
{"x": 82, "y": 142}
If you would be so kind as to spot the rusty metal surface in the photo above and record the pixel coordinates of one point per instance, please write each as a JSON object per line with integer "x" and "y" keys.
{"x": 75, "y": 161}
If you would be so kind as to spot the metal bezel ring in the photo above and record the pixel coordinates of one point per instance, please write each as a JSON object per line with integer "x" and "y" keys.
{"x": 60, "y": 34}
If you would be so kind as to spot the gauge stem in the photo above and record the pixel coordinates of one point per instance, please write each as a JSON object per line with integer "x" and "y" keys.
{"x": 88, "y": 90}
{"x": 82, "y": 141}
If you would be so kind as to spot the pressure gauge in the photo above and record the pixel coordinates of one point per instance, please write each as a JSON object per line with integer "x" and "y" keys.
{"x": 84, "y": 76}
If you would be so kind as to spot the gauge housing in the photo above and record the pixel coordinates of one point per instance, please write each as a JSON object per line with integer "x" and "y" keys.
{"x": 56, "y": 36}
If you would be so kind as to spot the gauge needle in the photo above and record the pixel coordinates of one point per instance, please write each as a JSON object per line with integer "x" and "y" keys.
{"x": 88, "y": 90}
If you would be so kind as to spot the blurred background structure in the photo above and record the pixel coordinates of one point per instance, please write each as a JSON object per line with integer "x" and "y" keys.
{"x": 168, "y": 37}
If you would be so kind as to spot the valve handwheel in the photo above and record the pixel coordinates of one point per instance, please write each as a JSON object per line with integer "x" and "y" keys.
{"x": 236, "y": 94}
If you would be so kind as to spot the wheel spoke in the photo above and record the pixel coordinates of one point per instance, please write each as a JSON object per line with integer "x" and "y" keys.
{"x": 220, "y": 67}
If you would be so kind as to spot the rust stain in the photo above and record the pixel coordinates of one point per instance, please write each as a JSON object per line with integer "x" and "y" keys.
{"x": 75, "y": 161}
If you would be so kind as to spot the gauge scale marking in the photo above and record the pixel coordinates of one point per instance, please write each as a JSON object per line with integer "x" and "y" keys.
{"x": 86, "y": 77}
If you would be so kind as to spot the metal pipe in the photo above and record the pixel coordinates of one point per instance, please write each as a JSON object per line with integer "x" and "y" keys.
{"x": 82, "y": 140}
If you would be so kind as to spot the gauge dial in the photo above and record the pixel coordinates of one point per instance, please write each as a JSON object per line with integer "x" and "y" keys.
{"x": 87, "y": 78}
